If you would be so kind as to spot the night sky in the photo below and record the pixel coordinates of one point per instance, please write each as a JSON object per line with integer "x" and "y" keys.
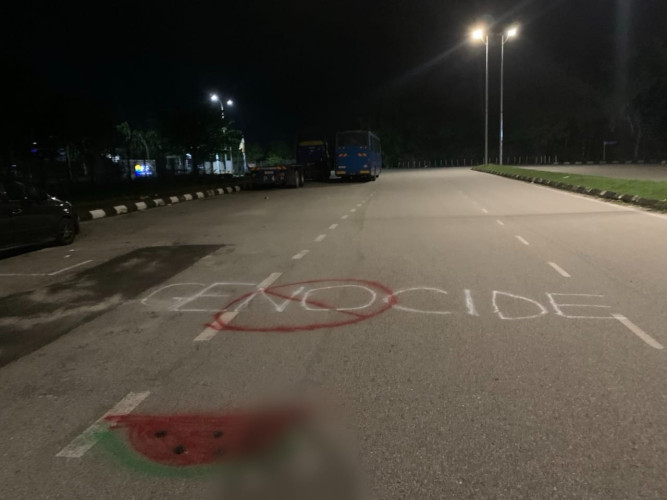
{"x": 295, "y": 64}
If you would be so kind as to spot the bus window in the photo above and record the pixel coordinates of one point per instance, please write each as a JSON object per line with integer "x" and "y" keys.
{"x": 345, "y": 139}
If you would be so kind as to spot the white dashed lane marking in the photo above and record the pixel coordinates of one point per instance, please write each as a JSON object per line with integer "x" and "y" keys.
{"x": 88, "y": 438}
{"x": 333, "y": 226}
{"x": 320, "y": 238}
{"x": 344, "y": 216}
{"x": 522, "y": 240}
{"x": 560, "y": 270}
{"x": 638, "y": 331}
{"x": 300, "y": 255}
{"x": 500, "y": 223}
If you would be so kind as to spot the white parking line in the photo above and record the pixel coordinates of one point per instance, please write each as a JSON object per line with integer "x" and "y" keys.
{"x": 560, "y": 270}
{"x": 333, "y": 226}
{"x": 522, "y": 240}
{"x": 320, "y": 238}
{"x": 300, "y": 255}
{"x": 500, "y": 223}
{"x": 88, "y": 438}
{"x": 638, "y": 331}
{"x": 345, "y": 216}
{"x": 70, "y": 267}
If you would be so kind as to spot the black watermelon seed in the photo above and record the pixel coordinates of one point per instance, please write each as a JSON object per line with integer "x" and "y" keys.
{"x": 160, "y": 434}
{"x": 217, "y": 434}
{"x": 179, "y": 450}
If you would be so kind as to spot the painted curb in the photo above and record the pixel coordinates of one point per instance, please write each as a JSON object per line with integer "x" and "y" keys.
{"x": 608, "y": 195}
{"x": 145, "y": 204}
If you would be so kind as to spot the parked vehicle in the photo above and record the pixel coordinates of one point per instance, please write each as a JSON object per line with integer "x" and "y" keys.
{"x": 29, "y": 216}
{"x": 358, "y": 155}
{"x": 283, "y": 175}
{"x": 314, "y": 155}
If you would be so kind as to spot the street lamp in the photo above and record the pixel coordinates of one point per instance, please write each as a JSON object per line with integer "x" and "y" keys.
{"x": 480, "y": 35}
{"x": 505, "y": 37}
{"x": 215, "y": 98}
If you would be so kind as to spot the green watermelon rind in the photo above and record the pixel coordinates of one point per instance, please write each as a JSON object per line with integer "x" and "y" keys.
{"x": 113, "y": 443}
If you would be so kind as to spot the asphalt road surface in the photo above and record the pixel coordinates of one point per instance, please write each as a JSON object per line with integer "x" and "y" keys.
{"x": 466, "y": 336}
{"x": 639, "y": 172}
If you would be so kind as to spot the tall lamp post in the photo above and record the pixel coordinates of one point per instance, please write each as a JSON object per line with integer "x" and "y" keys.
{"x": 216, "y": 98}
{"x": 481, "y": 36}
{"x": 505, "y": 37}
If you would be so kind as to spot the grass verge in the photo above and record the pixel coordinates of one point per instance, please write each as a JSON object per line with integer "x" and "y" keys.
{"x": 653, "y": 190}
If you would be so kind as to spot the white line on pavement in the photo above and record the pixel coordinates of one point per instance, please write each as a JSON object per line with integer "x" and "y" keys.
{"x": 344, "y": 216}
{"x": 522, "y": 240}
{"x": 638, "y": 331}
{"x": 208, "y": 333}
{"x": 226, "y": 317}
{"x": 320, "y": 238}
{"x": 273, "y": 277}
{"x": 87, "y": 439}
{"x": 70, "y": 267}
{"x": 485, "y": 211}
{"x": 500, "y": 223}
{"x": 359, "y": 205}
{"x": 333, "y": 226}
{"x": 560, "y": 270}
{"x": 300, "y": 255}
{"x": 353, "y": 210}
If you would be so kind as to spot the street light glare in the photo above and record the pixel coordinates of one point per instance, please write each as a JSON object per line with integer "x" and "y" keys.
{"x": 512, "y": 32}
{"x": 229, "y": 102}
{"x": 214, "y": 97}
{"x": 478, "y": 34}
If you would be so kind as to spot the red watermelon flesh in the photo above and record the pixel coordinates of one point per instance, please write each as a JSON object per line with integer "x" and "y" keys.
{"x": 186, "y": 440}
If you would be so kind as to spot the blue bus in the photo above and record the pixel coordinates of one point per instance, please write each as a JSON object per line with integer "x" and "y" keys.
{"x": 358, "y": 155}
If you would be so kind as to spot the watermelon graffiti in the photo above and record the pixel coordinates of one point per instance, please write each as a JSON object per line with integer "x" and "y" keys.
{"x": 193, "y": 444}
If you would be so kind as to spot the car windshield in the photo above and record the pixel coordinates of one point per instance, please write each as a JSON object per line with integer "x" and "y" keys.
{"x": 333, "y": 250}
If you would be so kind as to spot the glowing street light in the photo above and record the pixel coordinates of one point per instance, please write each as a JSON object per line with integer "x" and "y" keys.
{"x": 480, "y": 35}
{"x": 216, "y": 98}
{"x": 505, "y": 37}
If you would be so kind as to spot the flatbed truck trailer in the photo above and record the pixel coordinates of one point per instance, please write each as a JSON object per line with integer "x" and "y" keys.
{"x": 287, "y": 175}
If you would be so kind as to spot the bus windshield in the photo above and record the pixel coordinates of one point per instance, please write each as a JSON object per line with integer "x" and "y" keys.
{"x": 352, "y": 139}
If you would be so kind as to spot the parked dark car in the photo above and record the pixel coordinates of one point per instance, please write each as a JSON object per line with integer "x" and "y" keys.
{"x": 29, "y": 216}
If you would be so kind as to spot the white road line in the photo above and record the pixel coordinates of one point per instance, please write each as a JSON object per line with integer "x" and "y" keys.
{"x": 70, "y": 267}
{"x": 300, "y": 255}
{"x": 522, "y": 240}
{"x": 353, "y": 210}
{"x": 226, "y": 317}
{"x": 344, "y": 216}
{"x": 273, "y": 277}
{"x": 333, "y": 226}
{"x": 359, "y": 205}
{"x": 208, "y": 333}
{"x": 560, "y": 270}
{"x": 638, "y": 331}
{"x": 87, "y": 439}
{"x": 320, "y": 238}
{"x": 485, "y": 211}
{"x": 500, "y": 223}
